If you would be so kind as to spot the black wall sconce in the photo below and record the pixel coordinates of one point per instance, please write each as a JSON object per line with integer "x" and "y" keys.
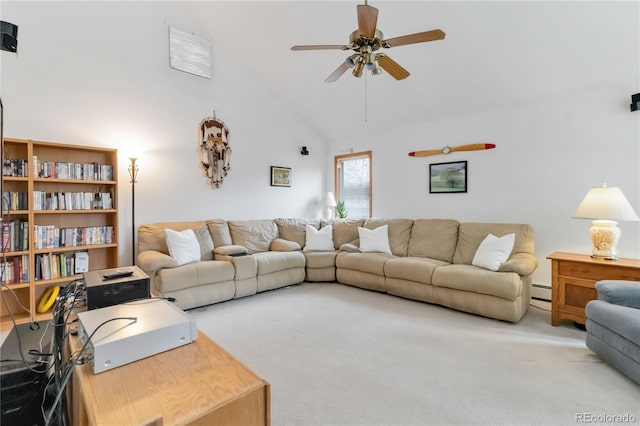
{"x": 304, "y": 151}
{"x": 635, "y": 102}
{"x": 8, "y": 37}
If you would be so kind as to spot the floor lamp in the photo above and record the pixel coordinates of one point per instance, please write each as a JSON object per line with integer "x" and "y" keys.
{"x": 133, "y": 173}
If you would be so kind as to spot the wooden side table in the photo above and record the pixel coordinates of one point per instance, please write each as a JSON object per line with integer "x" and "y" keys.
{"x": 573, "y": 278}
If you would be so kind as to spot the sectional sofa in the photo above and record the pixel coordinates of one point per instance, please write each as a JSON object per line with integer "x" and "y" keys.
{"x": 432, "y": 260}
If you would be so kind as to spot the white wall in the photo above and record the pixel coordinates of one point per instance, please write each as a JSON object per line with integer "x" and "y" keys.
{"x": 97, "y": 73}
{"x": 558, "y": 113}
{"x": 557, "y": 108}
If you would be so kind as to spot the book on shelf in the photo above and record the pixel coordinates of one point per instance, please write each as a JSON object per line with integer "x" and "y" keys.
{"x": 14, "y": 236}
{"x": 72, "y": 171}
{"x": 82, "y": 262}
{"x": 72, "y": 200}
{"x": 48, "y": 236}
{"x": 14, "y": 200}
{"x": 15, "y": 167}
{"x": 15, "y": 270}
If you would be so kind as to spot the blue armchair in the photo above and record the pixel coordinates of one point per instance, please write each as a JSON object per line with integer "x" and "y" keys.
{"x": 613, "y": 325}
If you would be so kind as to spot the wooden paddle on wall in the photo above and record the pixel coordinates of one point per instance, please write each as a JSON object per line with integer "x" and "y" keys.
{"x": 449, "y": 149}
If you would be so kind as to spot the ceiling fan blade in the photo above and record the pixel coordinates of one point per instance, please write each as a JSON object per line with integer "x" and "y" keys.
{"x": 367, "y": 20}
{"x": 321, "y": 47}
{"x": 392, "y": 67}
{"x": 337, "y": 73}
{"x": 414, "y": 38}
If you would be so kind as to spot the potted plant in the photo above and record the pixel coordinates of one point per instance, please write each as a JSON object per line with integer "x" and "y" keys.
{"x": 340, "y": 211}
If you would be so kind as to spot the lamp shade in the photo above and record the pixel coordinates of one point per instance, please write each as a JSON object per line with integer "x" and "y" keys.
{"x": 607, "y": 203}
{"x": 330, "y": 200}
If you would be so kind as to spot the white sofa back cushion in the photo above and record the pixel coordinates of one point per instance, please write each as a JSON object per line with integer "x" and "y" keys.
{"x": 374, "y": 240}
{"x": 317, "y": 240}
{"x": 494, "y": 251}
{"x": 183, "y": 246}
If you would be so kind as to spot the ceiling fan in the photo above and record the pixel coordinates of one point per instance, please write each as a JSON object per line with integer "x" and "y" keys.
{"x": 366, "y": 41}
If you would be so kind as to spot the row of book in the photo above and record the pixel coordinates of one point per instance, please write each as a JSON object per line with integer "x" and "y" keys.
{"x": 15, "y": 270}
{"x": 48, "y": 236}
{"x": 14, "y": 200}
{"x": 74, "y": 171}
{"x": 14, "y": 167}
{"x": 72, "y": 200}
{"x": 49, "y": 266}
{"x": 14, "y": 236}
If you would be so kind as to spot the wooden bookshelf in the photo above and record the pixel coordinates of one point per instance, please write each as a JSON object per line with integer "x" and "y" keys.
{"x": 76, "y": 187}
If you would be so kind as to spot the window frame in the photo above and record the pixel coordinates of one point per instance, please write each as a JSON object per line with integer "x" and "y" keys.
{"x": 336, "y": 174}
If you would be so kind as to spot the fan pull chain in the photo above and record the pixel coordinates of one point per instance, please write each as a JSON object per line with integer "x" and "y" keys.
{"x": 366, "y": 100}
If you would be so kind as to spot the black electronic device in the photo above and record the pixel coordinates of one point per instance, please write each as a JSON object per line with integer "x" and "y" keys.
{"x": 25, "y": 355}
{"x": 108, "y": 287}
{"x": 635, "y": 102}
{"x": 9, "y": 36}
{"x": 116, "y": 275}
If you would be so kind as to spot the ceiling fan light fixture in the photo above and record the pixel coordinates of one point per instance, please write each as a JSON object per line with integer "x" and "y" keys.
{"x": 351, "y": 60}
{"x": 376, "y": 70}
{"x": 371, "y": 62}
{"x": 357, "y": 69}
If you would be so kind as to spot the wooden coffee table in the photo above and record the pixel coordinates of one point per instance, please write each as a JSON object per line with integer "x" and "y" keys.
{"x": 196, "y": 384}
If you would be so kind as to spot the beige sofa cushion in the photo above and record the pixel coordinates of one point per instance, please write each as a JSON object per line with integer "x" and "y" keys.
{"x": 269, "y": 262}
{"x": 193, "y": 275}
{"x": 434, "y": 238}
{"x": 255, "y": 235}
{"x": 344, "y": 230}
{"x": 294, "y": 229}
{"x": 372, "y": 263}
{"x": 320, "y": 259}
{"x": 280, "y": 244}
{"x": 470, "y": 235}
{"x": 506, "y": 285}
{"x": 417, "y": 269}
{"x": 399, "y": 233}
{"x": 219, "y": 231}
{"x": 154, "y": 237}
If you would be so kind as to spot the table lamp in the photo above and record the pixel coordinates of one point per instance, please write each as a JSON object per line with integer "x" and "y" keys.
{"x": 330, "y": 202}
{"x": 605, "y": 206}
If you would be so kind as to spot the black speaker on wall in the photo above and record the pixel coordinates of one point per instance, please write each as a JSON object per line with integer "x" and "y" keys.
{"x": 9, "y": 36}
{"x": 635, "y": 102}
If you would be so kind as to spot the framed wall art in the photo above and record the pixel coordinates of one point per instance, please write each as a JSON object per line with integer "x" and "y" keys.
{"x": 448, "y": 177}
{"x": 280, "y": 176}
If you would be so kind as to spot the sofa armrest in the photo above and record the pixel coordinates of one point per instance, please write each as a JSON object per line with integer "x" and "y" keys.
{"x": 152, "y": 261}
{"x": 232, "y": 250}
{"x": 619, "y": 292}
{"x": 280, "y": 244}
{"x": 521, "y": 263}
{"x": 350, "y": 247}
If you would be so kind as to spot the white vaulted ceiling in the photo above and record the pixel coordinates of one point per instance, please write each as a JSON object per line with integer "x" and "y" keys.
{"x": 495, "y": 55}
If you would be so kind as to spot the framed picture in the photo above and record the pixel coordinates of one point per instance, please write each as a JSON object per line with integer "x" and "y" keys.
{"x": 280, "y": 176}
{"x": 448, "y": 177}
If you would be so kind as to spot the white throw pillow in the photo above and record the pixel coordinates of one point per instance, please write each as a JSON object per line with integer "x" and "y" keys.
{"x": 374, "y": 240}
{"x": 319, "y": 239}
{"x": 494, "y": 251}
{"x": 183, "y": 246}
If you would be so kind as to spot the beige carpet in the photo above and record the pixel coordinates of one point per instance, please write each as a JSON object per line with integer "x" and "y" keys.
{"x": 338, "y": 355}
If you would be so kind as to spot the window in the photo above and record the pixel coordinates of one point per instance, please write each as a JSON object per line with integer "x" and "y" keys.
{"x": 353, "y": 183}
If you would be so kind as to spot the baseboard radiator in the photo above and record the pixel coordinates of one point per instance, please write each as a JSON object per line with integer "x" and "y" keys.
{"x": 541, "y": 292}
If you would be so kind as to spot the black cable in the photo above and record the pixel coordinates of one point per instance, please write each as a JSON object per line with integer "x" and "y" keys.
{"x": 71, "y": 363}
